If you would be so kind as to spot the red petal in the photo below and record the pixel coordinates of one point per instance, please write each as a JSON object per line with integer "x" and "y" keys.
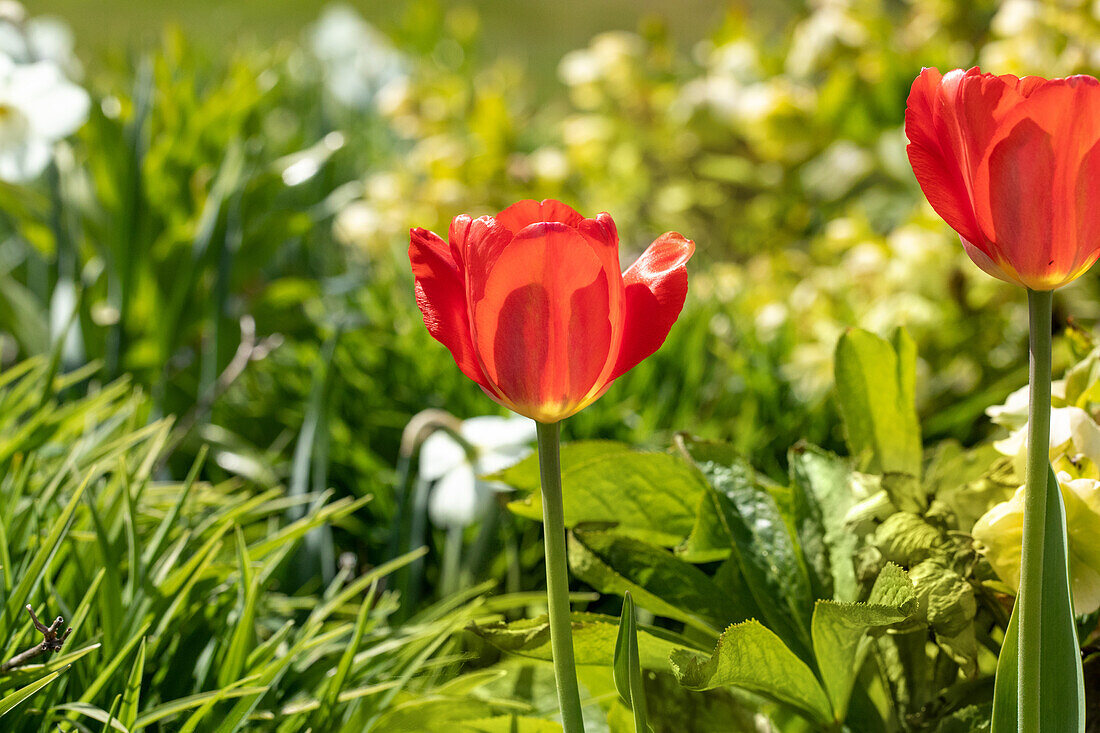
{"x": 656, "y": 287}
{"x": 1020, "y": 171}
{"x": 441, "y": 296}
{"x": 938, "y": 151}
{"x": 545, "y": 323}
{"x": 1088, "y": 213}
{"x": 524, "y": 213}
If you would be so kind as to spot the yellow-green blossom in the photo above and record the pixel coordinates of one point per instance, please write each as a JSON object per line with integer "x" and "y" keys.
{"x": 999, "y": 534}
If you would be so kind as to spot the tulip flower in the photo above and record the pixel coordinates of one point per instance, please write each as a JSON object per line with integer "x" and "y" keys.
{"x": 534, "y": 308}
{"x": 1013, "y": 166}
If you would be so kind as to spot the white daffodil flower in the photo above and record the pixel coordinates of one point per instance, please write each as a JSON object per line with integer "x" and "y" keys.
{"x": 1000, "y": 536}
{"x": 459, "y": 496}
{"x": 38, "y": 107}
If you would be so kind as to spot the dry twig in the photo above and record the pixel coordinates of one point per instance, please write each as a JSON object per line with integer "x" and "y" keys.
{"x": 52, "y": 640}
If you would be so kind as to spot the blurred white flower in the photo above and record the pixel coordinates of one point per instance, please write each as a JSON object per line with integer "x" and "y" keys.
{"x": 459, "y": 496}
{"x": 26, "y": 40}
{"x": 63, "y": 325}
{"x": 1000, "y": 536}
{"x": 359, "y": 61}
{"x": 38, "y": 107}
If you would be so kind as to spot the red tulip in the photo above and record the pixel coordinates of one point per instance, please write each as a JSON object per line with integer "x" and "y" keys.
{"x": 534, "y": 308}
{"x": 1013, "y": 166}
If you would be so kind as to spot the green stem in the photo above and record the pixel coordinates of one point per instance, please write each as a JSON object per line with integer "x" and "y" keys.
{"x": 557, "y": 579}
{"x": 1035, "y": 488}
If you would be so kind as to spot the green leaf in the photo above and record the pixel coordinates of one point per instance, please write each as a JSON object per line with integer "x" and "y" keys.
{"x": 509, "y": 724}
{"x": 1062, "y": 702}
{"x": 876, "y": 386}
{"x": 663, "y": 584}
{"x": 627, "y": 668}
{"x": 10, "y": 701}
{"x": 649, "y": 496}
{"x": 840, "y": 631}
{"x": 110, "y": 722}
{"x": 907, "y": 539}
{"x": 747, "y": 517}
{"x": 131, "y": 698}
{"x": 948, "y": 606}
{"x": 751, "y": 657}
{"x": 594, "y": 638}
{"x": 822, "y": 486}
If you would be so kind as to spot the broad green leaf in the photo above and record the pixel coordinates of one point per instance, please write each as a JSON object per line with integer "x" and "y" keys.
{"x": 650, "y": 496}
{"x": 751, "y": 657}
{"x": 1061, "y": 679}
{"x": 749, "y": 519}
{"x": 593, "y": 640}
{"x": 876, "y": 386}
{"x": 662, "y": 583}
{"x": 840, "y": 631}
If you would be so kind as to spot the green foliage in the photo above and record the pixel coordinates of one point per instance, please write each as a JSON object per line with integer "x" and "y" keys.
{"x": 173, "y": 588}
{"x": 751, "y": 657}
{"x": 876, "y": 388}
{"x": 649, "y": 496}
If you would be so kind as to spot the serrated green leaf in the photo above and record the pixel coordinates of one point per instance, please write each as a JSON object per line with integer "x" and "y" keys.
{"x": 840, "y": 631}
{"x": 649, "y": 496}
{"x": 750, "y": 657}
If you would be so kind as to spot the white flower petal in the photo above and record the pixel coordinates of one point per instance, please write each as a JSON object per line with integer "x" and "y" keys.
{"x": 456, "y": 500}
{"x": 491, "y": 461}
{"x": 53, "y": 105}
{"x": 25, "y": 162}
{"x": 439, "y": 455}
{"x": 491, "y": 432}
{"x": 1013, "y": 413}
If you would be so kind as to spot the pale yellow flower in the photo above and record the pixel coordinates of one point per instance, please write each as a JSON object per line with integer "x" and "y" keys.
{"x": 999, "y": 534}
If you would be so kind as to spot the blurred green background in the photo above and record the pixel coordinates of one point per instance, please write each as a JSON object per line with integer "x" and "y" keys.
{"x": 535, "y": 33}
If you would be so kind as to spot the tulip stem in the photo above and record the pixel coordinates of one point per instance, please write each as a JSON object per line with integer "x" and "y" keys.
{"x": 557, "y": 578}
{"x": 1035, "y": 489}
